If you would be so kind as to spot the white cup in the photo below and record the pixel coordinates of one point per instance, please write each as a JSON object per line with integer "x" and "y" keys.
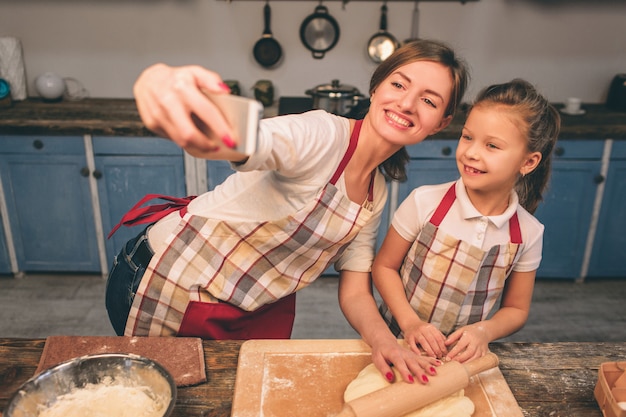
{"x": 572, "y": 105}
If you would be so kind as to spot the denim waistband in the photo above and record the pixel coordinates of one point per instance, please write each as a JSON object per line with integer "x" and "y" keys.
{"x": 140, "y": 251}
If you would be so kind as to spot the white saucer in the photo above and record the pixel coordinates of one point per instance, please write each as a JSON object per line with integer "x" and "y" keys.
{"x": 580, "y": 112}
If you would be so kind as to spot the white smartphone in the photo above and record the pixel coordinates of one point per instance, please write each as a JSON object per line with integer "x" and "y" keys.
{"x": 243, "y": 114}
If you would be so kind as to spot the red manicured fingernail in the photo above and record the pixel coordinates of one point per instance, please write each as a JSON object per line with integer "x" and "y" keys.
{"x": 224, "y": 87}
{"x": 424, "y": 378}
{"x": 228, "y": 141}
{"x": 433, "y": 370}
{"x": 389, "y": 376}
{"x": 411, "y": 378}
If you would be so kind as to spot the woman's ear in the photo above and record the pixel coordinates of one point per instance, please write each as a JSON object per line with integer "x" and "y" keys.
{"x": 443, "y": 124}
{"x": 530, "y": 163}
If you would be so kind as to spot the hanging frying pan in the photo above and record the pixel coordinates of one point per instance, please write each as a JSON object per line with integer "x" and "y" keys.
{"x": 267, "y": 50}
{"x": 382, "y": 44}
{"x": 319, "y": 32}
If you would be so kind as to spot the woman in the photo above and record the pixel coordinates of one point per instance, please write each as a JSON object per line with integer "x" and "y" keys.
{"x": 228, "y": 264}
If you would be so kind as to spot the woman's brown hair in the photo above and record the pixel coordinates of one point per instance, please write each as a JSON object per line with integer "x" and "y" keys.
{"x": 420, "y": 50}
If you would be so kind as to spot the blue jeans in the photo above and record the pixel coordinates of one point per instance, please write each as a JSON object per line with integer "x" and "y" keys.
{"x": 124, "y": 278}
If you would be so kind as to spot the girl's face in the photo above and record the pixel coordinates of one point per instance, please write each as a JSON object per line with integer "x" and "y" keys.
{"x": 409, "y": 104}
{"x": 493, "y": 150}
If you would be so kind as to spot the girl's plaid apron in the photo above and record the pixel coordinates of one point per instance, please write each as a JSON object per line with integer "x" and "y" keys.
{"x": 449, "y": 282}
{"x": 227, "y": 276}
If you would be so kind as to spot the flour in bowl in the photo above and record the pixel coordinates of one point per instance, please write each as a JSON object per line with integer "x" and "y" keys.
{"x": 108, "y": 399}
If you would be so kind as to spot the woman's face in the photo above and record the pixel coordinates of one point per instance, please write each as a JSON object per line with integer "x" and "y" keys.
{"x": 409, "y": 105}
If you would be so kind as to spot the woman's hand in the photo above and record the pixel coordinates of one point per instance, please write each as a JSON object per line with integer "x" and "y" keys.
{"x": 412, "y": 366}
{"x": 427, "y": 336}
{"x": 470, "y": 342}
{"x": 172, "y": 103}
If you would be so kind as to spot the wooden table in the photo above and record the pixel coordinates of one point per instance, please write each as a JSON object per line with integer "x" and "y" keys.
{"x": 547, "y": 379}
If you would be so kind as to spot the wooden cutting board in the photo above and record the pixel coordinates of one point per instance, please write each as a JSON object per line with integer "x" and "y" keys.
{"x": 279, "y": 378}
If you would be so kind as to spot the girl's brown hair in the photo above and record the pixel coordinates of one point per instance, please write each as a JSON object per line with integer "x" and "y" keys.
{"x": 420, "y": 50}
{"x": 542, "y": 125}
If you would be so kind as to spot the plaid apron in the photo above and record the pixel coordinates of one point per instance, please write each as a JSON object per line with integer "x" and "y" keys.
{"x": 449, "y": 282}
{"x": 244, "y": 267}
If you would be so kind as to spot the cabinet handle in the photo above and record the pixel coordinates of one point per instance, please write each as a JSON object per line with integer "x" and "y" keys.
{"x": 598, "y": 179}
{"x": 84, "y": 172}
{"x": 446, "y": 150}
{"x": 97, "y": 174}
{"x": 37, "y": 144}
{"x": 559, "y": 151}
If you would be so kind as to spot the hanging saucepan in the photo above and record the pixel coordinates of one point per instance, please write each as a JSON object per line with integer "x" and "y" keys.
{"x": 382, "y": 44}
{"x": 267, "y": 50}
{"x": 319, "y": 32}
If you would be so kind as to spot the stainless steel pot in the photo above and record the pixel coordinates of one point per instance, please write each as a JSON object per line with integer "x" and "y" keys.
{"x": 335, "y": 98}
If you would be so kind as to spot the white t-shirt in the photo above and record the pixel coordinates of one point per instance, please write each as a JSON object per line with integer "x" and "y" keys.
{"x": 296, "y": 157}
{"x": 466, "y": 223}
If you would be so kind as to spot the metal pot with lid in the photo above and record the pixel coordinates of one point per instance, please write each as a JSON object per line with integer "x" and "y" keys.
{"x": 335, "y": 98}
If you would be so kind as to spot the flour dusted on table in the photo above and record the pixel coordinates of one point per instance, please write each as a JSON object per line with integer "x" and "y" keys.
{"x": 108, "y": 399}
{"x": 370, "y": 380}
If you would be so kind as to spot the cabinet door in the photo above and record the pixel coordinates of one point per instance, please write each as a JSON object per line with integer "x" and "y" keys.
{"x": 567, "y": 208}
{"x": 49, "y": 203}
{"x": 607, "y": 256}
{"x": 129, "y": 168}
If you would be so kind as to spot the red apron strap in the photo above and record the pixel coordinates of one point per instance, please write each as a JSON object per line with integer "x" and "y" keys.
{"x": 514, "y": 229}
{"x": 152, "y": 213}
{"x": 354, "y": 139}
{"x": 444, "y": 206}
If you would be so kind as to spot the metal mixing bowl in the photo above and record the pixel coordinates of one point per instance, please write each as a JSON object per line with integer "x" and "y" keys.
{"x": 43, "y": 390}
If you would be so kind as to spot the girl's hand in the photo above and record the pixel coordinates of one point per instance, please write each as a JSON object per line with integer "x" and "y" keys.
{"x": 412, "y": 366}
{"x": 172, "y": 103}
{"x": 470, "y": 342}
{"x": 426, "y": 336}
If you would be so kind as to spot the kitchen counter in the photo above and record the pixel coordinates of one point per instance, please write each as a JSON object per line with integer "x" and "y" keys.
{"x": 547, "y": 379}
{"x": 119, "y": 117}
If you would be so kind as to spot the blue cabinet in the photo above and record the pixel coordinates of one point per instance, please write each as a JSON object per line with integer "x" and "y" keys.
{"x": 607, "y": 256}
{"x": 128, "y": 168}
{"x": 567, "y": 208}
{"x": 49, "y": 203}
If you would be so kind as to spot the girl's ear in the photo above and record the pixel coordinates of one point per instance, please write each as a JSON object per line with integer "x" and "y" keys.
{"x": 442, "y": 125}
{"x": 530, "y": 163}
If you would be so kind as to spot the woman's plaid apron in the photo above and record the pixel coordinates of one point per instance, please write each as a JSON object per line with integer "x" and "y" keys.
{"x": 245, "y": 264}
{"x": 449, "y": 282}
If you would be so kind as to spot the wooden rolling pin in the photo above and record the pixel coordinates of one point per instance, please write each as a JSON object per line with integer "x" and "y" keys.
{"x": 401, "y": 398}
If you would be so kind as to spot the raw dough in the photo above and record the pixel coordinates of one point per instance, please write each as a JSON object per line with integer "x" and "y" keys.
{"x": 369, "y": 380}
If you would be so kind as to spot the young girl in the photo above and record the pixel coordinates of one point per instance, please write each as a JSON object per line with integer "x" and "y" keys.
{"x": 453, "y": 249}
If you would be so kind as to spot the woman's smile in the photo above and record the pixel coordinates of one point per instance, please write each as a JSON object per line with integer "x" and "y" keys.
{"x": 397, "y": 119}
